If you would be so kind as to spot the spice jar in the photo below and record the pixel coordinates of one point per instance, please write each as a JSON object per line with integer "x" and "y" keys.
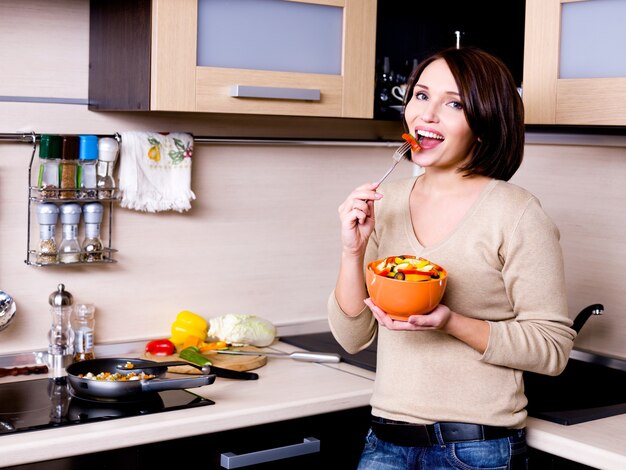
{"x": 87, "y": 160}
{"x": 61, "y": 335}
{"x": 49, "y": 154}
{"x": 108, "y": 148}
{"x": 69, "y": 248}
{"x": 83, "y": 323}
{"x": 68, "y": 167}
{"x": 47, "y": 216}
{"x": 92, "y": 249}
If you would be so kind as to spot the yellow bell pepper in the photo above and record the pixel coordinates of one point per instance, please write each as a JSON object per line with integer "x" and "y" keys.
{"x": 188, "y": 324}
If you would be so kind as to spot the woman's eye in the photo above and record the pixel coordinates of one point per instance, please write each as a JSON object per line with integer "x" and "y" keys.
{"x": 456, "y": 105}
{"x": 420, "y": 95}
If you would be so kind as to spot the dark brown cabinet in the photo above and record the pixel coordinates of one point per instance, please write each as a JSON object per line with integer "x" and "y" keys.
{"x": 341, "y": 436}
{"x": 409, "y": 31}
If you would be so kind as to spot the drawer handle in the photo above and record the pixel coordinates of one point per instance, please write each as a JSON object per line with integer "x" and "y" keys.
{"x": 245, "y": 91}
{"x": 310, "y": 445}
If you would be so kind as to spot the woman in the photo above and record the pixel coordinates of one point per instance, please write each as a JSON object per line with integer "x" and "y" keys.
{"x": 449, "y": 390}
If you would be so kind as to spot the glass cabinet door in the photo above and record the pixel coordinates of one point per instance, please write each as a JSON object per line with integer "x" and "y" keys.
{"x": 270, "y": 35}
{"x": 575, "y": 62}
{"x": 287, "y": 57}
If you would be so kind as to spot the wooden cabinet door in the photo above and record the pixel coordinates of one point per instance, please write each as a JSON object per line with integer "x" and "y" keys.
{"x": 179, "y": 84}
{"x": 549, "y": 99}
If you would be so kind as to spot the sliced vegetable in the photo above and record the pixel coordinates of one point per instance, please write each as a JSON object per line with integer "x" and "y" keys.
{"x": 213, "y": 346}
{"x": 160, "y": 347}
{"x": 408, "y": 268}
{"x": 415, "y": 146}
{"x": 193, "y": 355}
{"x": 203, "y": 346}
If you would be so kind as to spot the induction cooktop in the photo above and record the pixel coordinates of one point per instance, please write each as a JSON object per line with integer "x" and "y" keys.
{"x": 38, "y": 404}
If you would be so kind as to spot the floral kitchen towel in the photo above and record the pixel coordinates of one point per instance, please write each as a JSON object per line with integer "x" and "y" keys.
{"x": 155, "y": 171}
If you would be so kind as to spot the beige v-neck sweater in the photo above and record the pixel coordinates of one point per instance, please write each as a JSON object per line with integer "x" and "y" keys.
{"x": 505, "y": 266}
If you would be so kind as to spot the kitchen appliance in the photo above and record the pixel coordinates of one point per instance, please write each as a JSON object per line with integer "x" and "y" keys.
{"x": 326, "y": 342}
{"x": 39, "y": 404}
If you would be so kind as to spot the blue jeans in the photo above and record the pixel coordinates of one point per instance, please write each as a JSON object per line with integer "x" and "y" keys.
{"x": 508, "y": 453}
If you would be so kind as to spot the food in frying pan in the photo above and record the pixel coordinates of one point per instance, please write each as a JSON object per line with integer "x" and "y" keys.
{"x": 116, "y": 376}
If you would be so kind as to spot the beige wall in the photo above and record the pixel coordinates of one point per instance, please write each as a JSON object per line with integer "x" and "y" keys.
{"x": 262, "y": 236}
{"x": 583, "y": 188}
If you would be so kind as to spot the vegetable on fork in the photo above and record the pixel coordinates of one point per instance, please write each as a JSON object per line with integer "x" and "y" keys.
{"x": 415, "y": 146}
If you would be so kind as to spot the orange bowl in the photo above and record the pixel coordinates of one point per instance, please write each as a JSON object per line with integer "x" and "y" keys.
{"x": 402, "y": 298}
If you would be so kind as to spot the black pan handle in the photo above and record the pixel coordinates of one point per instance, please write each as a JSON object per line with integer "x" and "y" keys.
{"x": 233, "y": 374}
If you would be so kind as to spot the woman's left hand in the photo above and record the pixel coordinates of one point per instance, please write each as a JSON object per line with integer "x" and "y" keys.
{"x": 437, "y": 319}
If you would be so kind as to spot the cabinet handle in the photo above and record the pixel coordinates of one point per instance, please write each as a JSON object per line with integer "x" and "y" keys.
{"x": 310, "y": 445}
{"x": 244, "y": 91}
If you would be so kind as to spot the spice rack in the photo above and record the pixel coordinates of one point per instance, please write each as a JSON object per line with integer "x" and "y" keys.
{"x": 60, "y": 196}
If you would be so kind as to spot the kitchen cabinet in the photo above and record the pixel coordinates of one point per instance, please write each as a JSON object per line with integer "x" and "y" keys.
{"x": 551, "y": 94}
{"x": 145, "y": 55}
{"x": 538, "y": 460}
{"x": 341, "y": 436}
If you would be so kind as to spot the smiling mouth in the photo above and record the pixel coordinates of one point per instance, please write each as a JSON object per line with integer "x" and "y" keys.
{"x": 424, "y": 135}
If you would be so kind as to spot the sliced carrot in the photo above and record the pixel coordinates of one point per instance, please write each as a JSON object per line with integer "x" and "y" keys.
{"x": 411, "y": 140}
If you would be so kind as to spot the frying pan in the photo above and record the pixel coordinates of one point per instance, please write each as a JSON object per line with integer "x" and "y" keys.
{"x": 131, "y": 389}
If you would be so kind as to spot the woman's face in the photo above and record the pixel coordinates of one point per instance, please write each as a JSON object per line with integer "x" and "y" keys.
{"x": 435, "y": 116}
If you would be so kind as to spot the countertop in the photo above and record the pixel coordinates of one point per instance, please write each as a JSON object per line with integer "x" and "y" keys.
{"x": 289, "y": 389}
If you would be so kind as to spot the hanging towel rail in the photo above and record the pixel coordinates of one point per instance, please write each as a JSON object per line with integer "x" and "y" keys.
{"x": 33, "y": 137}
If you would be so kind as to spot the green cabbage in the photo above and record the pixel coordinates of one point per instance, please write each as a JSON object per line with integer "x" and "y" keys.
{"x": 242, "y": 330}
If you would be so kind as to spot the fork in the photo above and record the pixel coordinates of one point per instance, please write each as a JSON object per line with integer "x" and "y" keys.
{"x": 397, "y": 156}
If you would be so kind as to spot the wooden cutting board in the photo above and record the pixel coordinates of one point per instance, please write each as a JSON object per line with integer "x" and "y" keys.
{"x": 225, "y": 361}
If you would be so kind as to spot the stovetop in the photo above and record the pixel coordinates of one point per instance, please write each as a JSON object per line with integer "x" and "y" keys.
{"x": 38, "y": 404}
{"x": 325, "y": 342}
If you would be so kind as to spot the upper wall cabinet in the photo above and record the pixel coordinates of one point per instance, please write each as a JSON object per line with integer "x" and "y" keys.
{"x": 273, "y": 57}
{"x": 575, "y": 62}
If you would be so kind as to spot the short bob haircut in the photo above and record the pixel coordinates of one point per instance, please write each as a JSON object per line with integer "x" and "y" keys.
{"x": 493, "y": 109}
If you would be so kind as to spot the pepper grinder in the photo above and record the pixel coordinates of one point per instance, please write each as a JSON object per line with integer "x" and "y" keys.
{"x": 92, "y": 249}
{"x": 61, "y": 336}
{"x": 69, "y": 248}
{"x": 47, "y": 215}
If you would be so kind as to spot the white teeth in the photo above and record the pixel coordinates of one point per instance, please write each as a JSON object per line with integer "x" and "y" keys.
{"x": 430, "y": 135}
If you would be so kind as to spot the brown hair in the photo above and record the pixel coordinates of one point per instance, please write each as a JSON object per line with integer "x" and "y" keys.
{"x": 493, "y": 109}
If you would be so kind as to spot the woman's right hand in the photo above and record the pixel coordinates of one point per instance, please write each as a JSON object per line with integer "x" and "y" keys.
{"x": 356, "y": 214}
